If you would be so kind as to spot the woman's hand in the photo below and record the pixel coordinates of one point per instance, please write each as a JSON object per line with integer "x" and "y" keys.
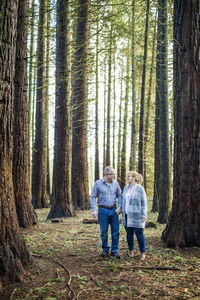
{"x": 118, "y": 211}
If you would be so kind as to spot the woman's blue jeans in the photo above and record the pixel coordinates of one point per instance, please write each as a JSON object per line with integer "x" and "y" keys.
{"x": 108, "y": 216}
{"x": 139, "y": 232}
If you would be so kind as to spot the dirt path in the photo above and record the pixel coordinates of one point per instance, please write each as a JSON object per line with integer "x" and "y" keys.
{"x": 66, "y": 265}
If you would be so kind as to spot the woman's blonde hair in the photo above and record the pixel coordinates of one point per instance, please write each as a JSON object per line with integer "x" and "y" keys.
{"x": 139, "y": 178}
{"x": 133, "y": 174}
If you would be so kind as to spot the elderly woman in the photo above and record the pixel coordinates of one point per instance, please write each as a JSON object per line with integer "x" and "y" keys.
{"x": 134, "y": 213}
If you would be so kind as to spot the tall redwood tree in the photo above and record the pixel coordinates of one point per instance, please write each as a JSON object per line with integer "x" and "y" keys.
{"x": 162, "y": 86}
{"x": 13, "y": 251}
{"x": 161, "y": 174}
{"x": 80, "y": 193}
{"x": 142, "y": 102}
{"x": 97, "y": 171}
{"x": 62, "y": 198}
{"x": 25, "y": 212}
{"x": 132, "y": 162}
{"x": 183, "y": 228}
{"x": 39, "y": 170}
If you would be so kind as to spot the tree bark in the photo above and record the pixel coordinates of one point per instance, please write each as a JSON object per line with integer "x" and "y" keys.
{"x": 22, "y": 191}
{"x": 147, "y": 114}
{"x": 96, "y": 175}
{"x": 133, "y": 130}
{"x": 33, "y": 111}
{"x": 30, "y": 82}
{"x": 163, "y": 180}
{"x": 119, "y": 132}
{"x": 80, "y": 194}
{"x": 124, "y": 137}
{"x": 141, "y": 125}
{"x": 104, "y": 120}
{"x": 114, "y": 106}
{"x": 47, "y": 91}
{"x": 39, "y": 170}
{"x": 14, "y": 254}
{"x": 157, "y": 116}
{"x": 183, "y": 228}
{"x": 108, "y": 143}
{"x": 62, "y": 199}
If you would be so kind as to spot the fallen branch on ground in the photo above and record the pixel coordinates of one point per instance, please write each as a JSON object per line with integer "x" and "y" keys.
{"x": 70, "y": 278}
{"x": 90, "y": 221}
{"x": 153, "y": 268}
{"x": 12, "y": 295}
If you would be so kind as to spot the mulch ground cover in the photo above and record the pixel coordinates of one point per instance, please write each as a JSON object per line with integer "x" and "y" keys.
{"x": 66, "y": 264}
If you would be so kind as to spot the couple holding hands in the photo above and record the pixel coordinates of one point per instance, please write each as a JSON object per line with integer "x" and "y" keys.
{"x": 132, "y": 203}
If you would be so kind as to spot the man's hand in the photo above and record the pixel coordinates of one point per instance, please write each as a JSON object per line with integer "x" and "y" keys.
{"x": 94, "y": 214}
{"x": 144, "y": 220}
{"x": 118, "y": 211}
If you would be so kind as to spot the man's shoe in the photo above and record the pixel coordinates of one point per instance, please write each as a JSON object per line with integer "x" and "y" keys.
{"x": 115, "y": 255}
{"x": 104, "y": 253}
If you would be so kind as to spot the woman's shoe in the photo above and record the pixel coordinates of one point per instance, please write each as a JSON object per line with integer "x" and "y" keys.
{"x": 142, "y": 256}
{"x": 130, "y": 254}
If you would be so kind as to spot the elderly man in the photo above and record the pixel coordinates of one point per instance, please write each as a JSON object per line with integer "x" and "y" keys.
{"x": 107, "y": 190}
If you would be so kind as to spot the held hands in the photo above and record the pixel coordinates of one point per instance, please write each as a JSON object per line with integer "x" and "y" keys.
{"x": 118, "y": 211}
{"x": 94, "y": 214}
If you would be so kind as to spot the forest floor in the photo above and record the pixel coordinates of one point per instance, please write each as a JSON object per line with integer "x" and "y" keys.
{"x": 66, "y": 265}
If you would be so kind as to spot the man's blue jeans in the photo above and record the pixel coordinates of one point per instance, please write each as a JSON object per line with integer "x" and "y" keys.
{"x": 108, "y": 216}
{"x": 139, "y": 232}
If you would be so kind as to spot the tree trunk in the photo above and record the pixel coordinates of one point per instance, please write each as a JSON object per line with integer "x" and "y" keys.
{"x": 62, "y": 198}
{"x": 141, "y": 126}
{"x": 108, "y": 161}
{"x": 171, "y": 149}
{"x": 33, "y": 110}
{"x": 104, "y": 120}
{"x": 119, "y": 132}
{"x": 163, "y": 180}
{"x": 96, "y": 175}
{"x": 147, "y": 114}
{"x": 124, "y": 138}
{"x": 157, "y": 116}
{"x": 183, "y": 225}
{"x": 47, "y": 90}
{"x": 39, "y": 170}
{"x": 22, "y": 192}
{"x": 114, "y": 107}
{"x": 133, "y": 134}
{"x": 30, "y": 82}
{"x": 14, "y": 254}
{"x": 80, "y": 194}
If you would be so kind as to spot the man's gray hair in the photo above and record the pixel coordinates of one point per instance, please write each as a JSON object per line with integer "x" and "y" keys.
{"x": 107, "y": 170}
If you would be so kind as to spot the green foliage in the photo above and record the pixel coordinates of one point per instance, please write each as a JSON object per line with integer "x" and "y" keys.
{"x": 59, "y": 279}
{"x": 81, "y": 278}
{"x": 38, "y": 251}
{"x": 73, "y": 231}
{"x": 124, "y": 288}
{"x": 171, "y": 251}
{"x": 112, "y": 266}
{"x": 178, "y": 259}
